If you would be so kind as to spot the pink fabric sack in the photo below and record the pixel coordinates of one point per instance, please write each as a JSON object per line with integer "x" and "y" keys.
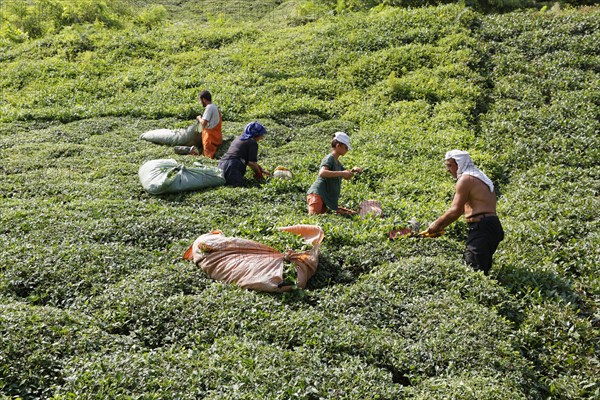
{"x": 253, "y": 265}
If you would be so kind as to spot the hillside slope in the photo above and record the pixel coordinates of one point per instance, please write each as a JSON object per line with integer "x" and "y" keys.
{"x": 95, "y": 299}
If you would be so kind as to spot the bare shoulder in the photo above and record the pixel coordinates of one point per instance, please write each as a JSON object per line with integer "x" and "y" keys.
{"x": 465, "y": 183}
{"x": 480, "y": 197}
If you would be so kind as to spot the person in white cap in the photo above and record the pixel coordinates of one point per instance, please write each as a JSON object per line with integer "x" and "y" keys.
{"x": 475, "y": 197}
{"x": 324, "y": 193}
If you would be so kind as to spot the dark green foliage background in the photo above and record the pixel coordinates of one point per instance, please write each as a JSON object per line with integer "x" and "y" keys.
{"x": 95, "y": 301}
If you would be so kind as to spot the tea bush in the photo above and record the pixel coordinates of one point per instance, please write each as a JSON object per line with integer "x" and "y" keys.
{"x": 32, "y": 19}
{"x": 231, "y": 368}
{"x": 97, "y": 302}
{"x": 489, "y": 5}
{"x": 36, "y": 343}
{"x": 537, "y": 126}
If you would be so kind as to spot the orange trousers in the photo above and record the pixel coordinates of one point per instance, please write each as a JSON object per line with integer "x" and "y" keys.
{"x": 315, "y": 204}
{"x": 211, "y": 139}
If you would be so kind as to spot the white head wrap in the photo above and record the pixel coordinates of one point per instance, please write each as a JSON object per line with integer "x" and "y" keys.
{"x": 466, "y": 167}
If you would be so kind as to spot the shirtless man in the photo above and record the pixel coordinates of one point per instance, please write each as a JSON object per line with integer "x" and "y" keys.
{"x": 475, "y": 198}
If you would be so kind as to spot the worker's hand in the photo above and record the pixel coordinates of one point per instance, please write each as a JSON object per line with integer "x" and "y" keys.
{"x": 357, "y": 170}
{"x": 347, "y": 174}
{"x": 345, "y": 211}
{"x": 263, "y": 172}
{"x": 428, "y": 234}
{"x": 433, "y": 229}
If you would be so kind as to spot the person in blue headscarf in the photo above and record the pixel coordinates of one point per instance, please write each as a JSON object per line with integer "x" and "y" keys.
{"x": 243, "y": 152}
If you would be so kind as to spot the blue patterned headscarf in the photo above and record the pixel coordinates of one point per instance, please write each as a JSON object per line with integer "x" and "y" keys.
{"x": 252, "y": 130}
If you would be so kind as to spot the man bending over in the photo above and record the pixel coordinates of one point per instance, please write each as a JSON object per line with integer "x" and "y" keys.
{"x": 475, "y": 198}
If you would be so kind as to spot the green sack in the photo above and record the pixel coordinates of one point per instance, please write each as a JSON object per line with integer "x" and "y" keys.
{"x": 180, "y": 137}
{"x": 168, "y": 176}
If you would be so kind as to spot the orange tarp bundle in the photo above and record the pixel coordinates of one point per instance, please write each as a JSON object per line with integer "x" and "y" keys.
{"x": 253, "y": 265}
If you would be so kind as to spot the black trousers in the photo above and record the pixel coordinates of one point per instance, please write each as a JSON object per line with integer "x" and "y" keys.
{"x": 482, "y": 242}
{"x": 233, "y": 171}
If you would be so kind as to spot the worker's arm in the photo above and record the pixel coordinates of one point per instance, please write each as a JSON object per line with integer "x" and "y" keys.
{"x": 325, "y": 172}
{"x": 203, "y": 122}
{"x": 259, "y": 173}
{"x": 457, "y": 208}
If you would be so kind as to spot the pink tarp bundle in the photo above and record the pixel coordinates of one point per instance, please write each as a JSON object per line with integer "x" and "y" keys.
{"x": 253, "y": 265}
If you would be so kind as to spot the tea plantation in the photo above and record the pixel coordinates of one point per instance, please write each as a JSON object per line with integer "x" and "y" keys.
{"x": 96, "y": 301}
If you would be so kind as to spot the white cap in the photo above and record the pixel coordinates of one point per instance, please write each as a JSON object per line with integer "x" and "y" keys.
{"x": 342, "y": 138}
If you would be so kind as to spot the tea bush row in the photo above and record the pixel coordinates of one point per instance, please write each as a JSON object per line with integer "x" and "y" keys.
{"x": 381, "y": 343}
{"x": 22, "y": 19}
{"x": 25, "y": 20}
{"x": 481, "y": 5}
{"x": 86, "y": 64}
{"x": 543, "y": 125}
